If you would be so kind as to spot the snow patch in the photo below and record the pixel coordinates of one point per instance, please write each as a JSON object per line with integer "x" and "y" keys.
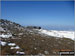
{"x": 3, "y": 43}
{"x": 11, "y": 44}
{"x": 1, "y": 29}
{"x": 18, "y": 52}
{"x": 6, "y": 36}
{"x": 46, "y": 52}
{"x": 17, "y": 47}
{"x": 55, "y": 33}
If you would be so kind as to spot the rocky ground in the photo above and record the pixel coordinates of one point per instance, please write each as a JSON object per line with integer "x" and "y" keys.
{"x": 19, "y": 40}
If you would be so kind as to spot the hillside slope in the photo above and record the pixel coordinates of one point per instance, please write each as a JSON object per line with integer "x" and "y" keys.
{"x": 20, "y": 40}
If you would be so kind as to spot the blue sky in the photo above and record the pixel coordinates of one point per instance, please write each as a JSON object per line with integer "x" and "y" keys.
{"x": 39, "y": 13}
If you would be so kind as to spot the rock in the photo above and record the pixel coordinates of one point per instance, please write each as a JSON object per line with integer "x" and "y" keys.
{"x": 33, "y": 27}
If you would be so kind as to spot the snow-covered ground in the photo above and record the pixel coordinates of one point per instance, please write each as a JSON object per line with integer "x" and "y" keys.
{"x": 5, "y": 35}
{"x": 18, "y": 52}
{"x": 55, "y": 33}
{"x": 3, "y": 43}
{"x": 1, "y": 29}
{"x": 11, "y": 44}
{"x": 16, "y": 47}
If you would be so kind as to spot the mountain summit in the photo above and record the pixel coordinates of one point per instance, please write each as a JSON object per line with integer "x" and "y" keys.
{"x": 31, "y": 40}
